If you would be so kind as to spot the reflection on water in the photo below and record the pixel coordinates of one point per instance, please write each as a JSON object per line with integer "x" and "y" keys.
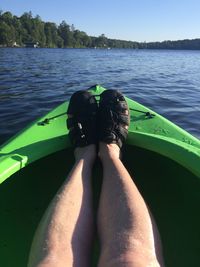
{"x": 32, "y": 81}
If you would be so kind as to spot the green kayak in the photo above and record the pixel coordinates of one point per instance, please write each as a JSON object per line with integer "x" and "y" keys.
{"x": 163, "y": 158}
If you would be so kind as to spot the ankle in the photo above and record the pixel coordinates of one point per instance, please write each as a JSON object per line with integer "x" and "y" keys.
{"x": 108, "y": 151}
{"x": 87, "y": 153}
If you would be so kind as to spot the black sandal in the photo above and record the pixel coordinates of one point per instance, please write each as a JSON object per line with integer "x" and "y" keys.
{"x": 113, "y": 118}
{"x": 81, "y": 120}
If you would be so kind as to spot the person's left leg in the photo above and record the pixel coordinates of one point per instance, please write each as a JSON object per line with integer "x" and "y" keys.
{"x": 65, "y": 234}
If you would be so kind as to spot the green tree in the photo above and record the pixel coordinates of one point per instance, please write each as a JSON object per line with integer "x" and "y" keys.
{"x": 66, "y": 34}
{"x": 101, "y": 41}
{"x": 81, "y": 39}
{"x": 86, "y": 40}
{"x": 7, "y": 17}
{"x": 7, "y": 34}
{"x": 59, "y": 42}
{"x": 26, "y": 22}
{"x": 52, "y": 38}
{"x": 18, "y": 30}
{"x": 37, "y": 31}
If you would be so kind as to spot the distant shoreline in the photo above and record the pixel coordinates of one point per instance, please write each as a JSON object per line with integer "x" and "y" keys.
{"x": 30, "y": 31}
{"x": 100, "y": 48}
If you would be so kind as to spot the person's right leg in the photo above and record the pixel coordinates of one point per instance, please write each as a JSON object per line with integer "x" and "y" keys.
{"x": 128, "y": 234}
{"x": 65, "y": 234}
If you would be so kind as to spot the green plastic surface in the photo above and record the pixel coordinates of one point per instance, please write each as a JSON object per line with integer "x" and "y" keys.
{"x": 163, "y": 159}
{"x": 171, "y": 192}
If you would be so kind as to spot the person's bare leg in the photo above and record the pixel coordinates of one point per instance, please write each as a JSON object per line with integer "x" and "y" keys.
{"x": 64, "y": 236}
{"x": 128, "y": 234}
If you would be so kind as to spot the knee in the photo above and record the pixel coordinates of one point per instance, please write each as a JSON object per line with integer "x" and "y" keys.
{"x": 130, "y": 259}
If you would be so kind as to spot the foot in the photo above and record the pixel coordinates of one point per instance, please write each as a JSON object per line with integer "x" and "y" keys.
{"x": 81, "y": 120}
{"x": 113, "y": 118}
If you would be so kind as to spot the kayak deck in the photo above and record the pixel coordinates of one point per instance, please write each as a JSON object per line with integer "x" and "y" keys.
{"x": 171, "y": 191}
{"x": 49, "y": 134}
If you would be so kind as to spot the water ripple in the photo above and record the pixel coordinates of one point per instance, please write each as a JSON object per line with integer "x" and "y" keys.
{"x": 33, "y": 81}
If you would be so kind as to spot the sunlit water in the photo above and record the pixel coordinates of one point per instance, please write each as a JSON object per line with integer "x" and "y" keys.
{"x": 33, "y": 81}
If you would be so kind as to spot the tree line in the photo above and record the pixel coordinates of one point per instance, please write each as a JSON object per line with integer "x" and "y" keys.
{"x": 17, "y": 31}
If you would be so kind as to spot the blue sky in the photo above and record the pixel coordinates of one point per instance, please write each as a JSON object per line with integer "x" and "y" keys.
{"x": 135, "y": 20}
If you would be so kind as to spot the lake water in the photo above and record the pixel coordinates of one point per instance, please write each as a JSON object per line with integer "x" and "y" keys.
{"x": 32, "y": 81}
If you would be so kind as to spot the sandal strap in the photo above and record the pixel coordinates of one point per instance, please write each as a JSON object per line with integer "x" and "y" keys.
{"x": 82, "y": 120}
{"x": 114, "y": 117}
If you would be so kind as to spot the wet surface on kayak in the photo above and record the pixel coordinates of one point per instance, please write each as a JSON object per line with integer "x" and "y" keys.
{"x": 171, "y": 192}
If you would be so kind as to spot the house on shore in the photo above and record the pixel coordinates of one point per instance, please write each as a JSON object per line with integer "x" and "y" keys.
{"x": 31, "y": 45}
{"x": 15, "y": 44}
